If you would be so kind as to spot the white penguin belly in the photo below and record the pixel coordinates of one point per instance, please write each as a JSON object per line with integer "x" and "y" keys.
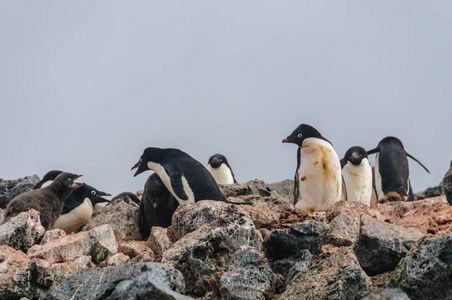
{"x": 358, "y": 181}
{"x": 319, "y": 176}
{"x": 76, "y": 218}
{"x": 222, "y": 174}
{"x": 378, "y": 181}
{"x": 160, "y": 170}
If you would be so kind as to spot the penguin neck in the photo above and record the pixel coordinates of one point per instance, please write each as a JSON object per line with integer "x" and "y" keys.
{"x": 222, "y": 174}
{"x": 60, "y": 189}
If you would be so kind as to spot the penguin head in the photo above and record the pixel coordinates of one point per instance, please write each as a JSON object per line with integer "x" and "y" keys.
{"x": 48, "y": 177}
{"x": 301, "y": 133}
{"x": 354, "y": 155}
{"x": 216, "y": 160}
{"x": 66, "y": 181}
{"x": 94, "y": 195}
{"x": 150, "y": 154}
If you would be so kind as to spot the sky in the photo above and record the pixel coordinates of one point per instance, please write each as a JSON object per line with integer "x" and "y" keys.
{"x": 86, "y": 86}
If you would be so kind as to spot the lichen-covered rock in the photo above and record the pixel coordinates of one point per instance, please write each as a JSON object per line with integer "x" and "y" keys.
{"x": 52, "y": 235}
{"x": 210, "y": 248}
{"x": 386, "y": 294}
{"x": 189, "y": 217}
{"x": 99, "y": 243}
{"x": 447, "y": 184}
{"x": 22, "y": 231}
{"x": 282, "y": 243}
{"x": 336, "y": 277}
{"x": 125, "y": 224}
{"x": 248, "y": 277}
{"x": 259, "y": 194}
{"x": 291, "y": 266}
{"x": 426, "y": 272}
{"x": 381, "y": 246}
{"x": 158, "y": 240}
{"x": 116, "y": 281}
{"x": 134, "y": 248}
{"x": 11, "y": 188}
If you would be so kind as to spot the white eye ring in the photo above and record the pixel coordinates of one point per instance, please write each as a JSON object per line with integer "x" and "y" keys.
{"x": 141, "y": 160}
{"x": 300, "y": 135}
{"x": 93, "y": 192}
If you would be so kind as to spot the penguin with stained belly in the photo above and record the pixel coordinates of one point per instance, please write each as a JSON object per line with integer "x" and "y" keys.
{"x": 220, "y": 169}
{"x": 179, "y": 179}
{"x": 391, "y": 170}
{"x": 357, "y": 176}
{"x": 318, "y": 182}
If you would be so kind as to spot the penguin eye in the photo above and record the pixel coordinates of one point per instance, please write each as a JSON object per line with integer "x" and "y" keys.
{"x": 93, "y": 192}
{"x": 361, "y": 154}
{"x": 300, "y": 135}
{"x": 141, "y": 159}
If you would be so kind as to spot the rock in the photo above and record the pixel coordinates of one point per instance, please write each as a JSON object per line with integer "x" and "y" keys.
{"x": 158, "y": 240}
{"x": 259, "y": 194}
{"x": 426, "y": 272}
{"x": 189, "y": 217}
{"x": 22, "y": 277}
{"x": 386, "y": 294}
{"x": 381, "y": 246}
{"x": 447, "y": 185}
{"x": 344, "y": 229}
{"x": 22, "y": 231}
{"x": 99, "y": 242}
{"x": 127, "y": 197}
{"x": 122, "y": 217}
{"x": 403, "y": 208}
{"x": 134, "y": 248}
{"x": 118, "y": 259}
{"x": 210, "y": 248}
{"x": 52, "y": 235}
{"x": 130, "y": 281}
{"x": 248, "y": 277}
{"x": 291, "y": 266}
{"x": 425, "y": 224}
{"x": 284, "y": 187}
{"x": 11, "y": 188}
{"x": 336, "y": 277}
{"x": 309, "y": 235}
{"x": 429, "y": 192}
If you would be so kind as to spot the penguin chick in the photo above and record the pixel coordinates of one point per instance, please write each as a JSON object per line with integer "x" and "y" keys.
{"x": 220, "y": 169}
{"x": 317, "y": 183}
{"x": 391, "y": 170}
{"x": 49, "y": 201}
{"x": 78, "y": 208}
{"x": 184, "y": 177}
{"x": 357, "y": 176}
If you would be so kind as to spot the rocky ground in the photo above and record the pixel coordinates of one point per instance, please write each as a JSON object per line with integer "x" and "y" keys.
{"x": 216, "y": 250}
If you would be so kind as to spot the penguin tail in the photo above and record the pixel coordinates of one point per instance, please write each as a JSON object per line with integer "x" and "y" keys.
{"x": 410, "y": 156}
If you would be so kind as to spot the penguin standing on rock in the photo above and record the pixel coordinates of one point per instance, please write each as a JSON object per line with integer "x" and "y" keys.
{"x": 391, "y": 170}
{"x": 357, "y": 176}
{"x": 317, "y": 183}
{"x": 49, "y": 201}
{"x": 220, "y": 169}
{"x": 180, "y": 179}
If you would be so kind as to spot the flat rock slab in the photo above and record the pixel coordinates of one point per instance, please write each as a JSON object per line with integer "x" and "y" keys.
{"x": 336, "y": 277}
{"x": 124, "y": 282}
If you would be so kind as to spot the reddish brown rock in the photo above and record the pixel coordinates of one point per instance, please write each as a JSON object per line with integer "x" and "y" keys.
{"x": 423, "y": 223}
{"x": 402, "y": 208}
{"x": 52, "y": 235}
{"x": 117, "y": 260}
{"x": 100, "y": 243}
{"x": 133, "y": 248}
{"x": 158, "y": 240}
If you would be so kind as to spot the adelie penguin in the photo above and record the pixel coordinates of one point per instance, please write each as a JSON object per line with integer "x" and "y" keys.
{"x": 317, "y": 183}
{"x": 49, "y": 201}
{"x": 357, "y": 176}
{"x": 78, "y": 206}
{"x": 391, "y": 170}
{"x": 220, "y": 169}
{"x": 185, "y": 180}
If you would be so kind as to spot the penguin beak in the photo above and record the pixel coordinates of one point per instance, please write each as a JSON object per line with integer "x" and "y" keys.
{"x": 141, "y": 168}
{"x": 285, "y": 140}
{"x": 135, "y": 166}
{"x": 77, "y": 185}
{"x": 100, "y": 199}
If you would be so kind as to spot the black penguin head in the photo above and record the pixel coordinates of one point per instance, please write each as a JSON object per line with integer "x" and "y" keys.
{"x": 49, "y": 176}
{"x": 216, "y": 160}
{"x": 93, "y": 194}
{"x": 66, "y": 181}
{"x": 301, "y": 133}
{"x": 355, "y": 155}
{"x": 150, "y": 154}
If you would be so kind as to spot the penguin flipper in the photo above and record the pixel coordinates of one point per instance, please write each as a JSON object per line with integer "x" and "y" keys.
{"x": 344, "y": 189}
{"x": 373, "y": 151}
{"x": 410, "y": 156}
{"x": 296, "y": 191}
{"x": 177, "y": 185}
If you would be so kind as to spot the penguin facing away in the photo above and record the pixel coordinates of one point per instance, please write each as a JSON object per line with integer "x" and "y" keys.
{"x": 184, "y": 177}
{"x": 220, "y": 169}
{"x": 391, "y": 170}
{"x": 78, "y": 208}
{"x": 318, "y": 182}
{"x": 357, "y": 176}
{"x": 49, "y": 201}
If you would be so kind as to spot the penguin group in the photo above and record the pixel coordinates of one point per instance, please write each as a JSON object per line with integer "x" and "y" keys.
{"x": 321, "y": 179}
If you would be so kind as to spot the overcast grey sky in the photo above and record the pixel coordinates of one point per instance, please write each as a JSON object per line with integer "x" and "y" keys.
{"x": 85, "y": 86}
